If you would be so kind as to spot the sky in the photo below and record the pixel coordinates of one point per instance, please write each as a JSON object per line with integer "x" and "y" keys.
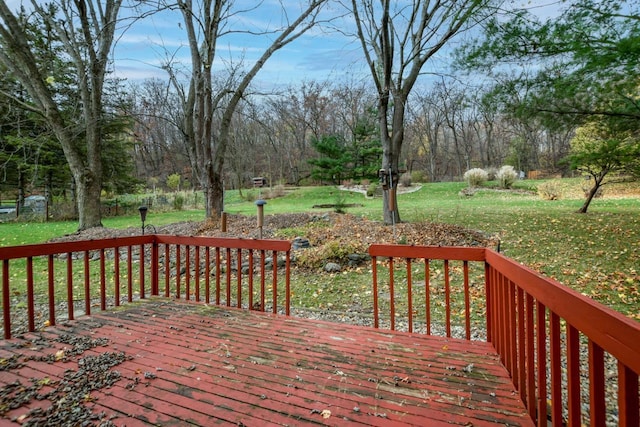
{"x": 318, "y": 55}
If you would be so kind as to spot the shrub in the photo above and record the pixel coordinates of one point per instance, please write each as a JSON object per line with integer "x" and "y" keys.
{"x": 178, "y": 202}
{"x": 550, "y": 190}
{"x": 492, "y": 172}
{"x": 173, "y": 181}
{"x": 405, "y": 179}
{"x": 507, "y": 175}
{"x": 332, "y": 250}
{"x": 340, "y": 204}
{"x": 372, "y": 189}
{"x": 418, "y": 176}
{"x": 475, "y": 177}
{"x": 272, "y": 193}
{"x": 279, "y": 191}
{"x": 250, "y": 196}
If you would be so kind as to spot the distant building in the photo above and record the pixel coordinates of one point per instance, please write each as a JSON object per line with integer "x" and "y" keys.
{"x": 259, "y": 181}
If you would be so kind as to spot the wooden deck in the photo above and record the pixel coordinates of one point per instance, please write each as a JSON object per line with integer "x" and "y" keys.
{"x": 161, "y": 362}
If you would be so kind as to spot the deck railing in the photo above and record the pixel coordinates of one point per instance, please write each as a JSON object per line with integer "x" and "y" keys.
{"x": 63, "y": 277}
{"x": 572, "y": 360}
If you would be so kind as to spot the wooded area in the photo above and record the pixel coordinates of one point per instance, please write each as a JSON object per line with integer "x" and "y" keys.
{"x": 71, "y": 131}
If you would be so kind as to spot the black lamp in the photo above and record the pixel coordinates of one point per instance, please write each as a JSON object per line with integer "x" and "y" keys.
{"x": 143, "y": 215}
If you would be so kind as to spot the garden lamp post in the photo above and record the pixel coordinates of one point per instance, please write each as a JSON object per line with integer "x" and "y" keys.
{"x": 143, "y": 215}
{"x": 260, "y": 204}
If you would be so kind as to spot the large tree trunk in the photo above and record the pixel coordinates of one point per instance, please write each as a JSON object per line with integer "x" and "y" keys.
{"x": 85, "y": 30}
{"x": 89, "y": 209}
{"x": 214, "y": 195}
{"x": 391, "y": 147}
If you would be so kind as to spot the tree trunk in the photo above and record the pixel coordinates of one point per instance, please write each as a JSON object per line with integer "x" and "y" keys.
{"x": 215, "y": 201}
{"x": 391, "y": 146}
{"x": 592, "y": 193}
{"x": 85, "y": 31}
{"x": 391, "y": 214}
{"x": 89, "y": 209}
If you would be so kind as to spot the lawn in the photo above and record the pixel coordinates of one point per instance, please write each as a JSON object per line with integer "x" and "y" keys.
{"x": 597, "y": 253}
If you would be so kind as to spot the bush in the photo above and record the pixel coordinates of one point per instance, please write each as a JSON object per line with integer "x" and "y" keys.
{"x": 272, "y": 193}
{"x": 178, "y": 202}
{"x": 418, "y": 176}
{"x": 550, "y": 190}
{"x": 332, "y": 250}
{"x": 507, "y": 175}
{"x": 492, "y": 173}
{"x": 475, "y": 177}
{"x": 250, "y": 196}
{"x": 372, "y": 189}
{"x": 173, "y": 182}
{"x": 405, "y": 179}
{"x": 340, "y": 204}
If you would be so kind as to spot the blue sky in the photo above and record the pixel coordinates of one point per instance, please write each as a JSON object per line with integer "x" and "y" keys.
{"x": 317, "y": 55}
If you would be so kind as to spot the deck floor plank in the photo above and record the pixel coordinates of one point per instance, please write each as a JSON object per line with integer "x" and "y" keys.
{"x": 192, "y": 364}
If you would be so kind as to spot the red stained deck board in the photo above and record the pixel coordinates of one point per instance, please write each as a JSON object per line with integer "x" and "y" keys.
{"x": 212, "y": 365}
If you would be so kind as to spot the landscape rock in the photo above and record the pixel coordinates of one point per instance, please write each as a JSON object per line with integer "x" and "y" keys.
{"x": 300, "y": 243}
{"x": 332, "y": 267}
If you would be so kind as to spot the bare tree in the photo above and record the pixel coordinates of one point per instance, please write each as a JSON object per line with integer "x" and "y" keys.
{"x": 159, "y": 145}
{"x": 209, "y": 109}
{"x": 398, "y": 38}
{"x": 85, "y": 31}
{"x": 428, "y": 124}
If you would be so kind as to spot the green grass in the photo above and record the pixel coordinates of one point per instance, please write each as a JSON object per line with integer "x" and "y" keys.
{"x": 26, "y": 233}
{"x": 597, "y": 253}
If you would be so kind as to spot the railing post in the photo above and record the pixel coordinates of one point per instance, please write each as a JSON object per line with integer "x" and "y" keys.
{"x": 142, "y": 287}
{"x": 6, "y": 301}
{"x": 628, "y": 396}
{"x": 374, "y": 262}
{"x": 155, "y": 268}
{"x": 287, "y": 282}
{"x": 488, "y": 302}
{"x": 30, "y": 296}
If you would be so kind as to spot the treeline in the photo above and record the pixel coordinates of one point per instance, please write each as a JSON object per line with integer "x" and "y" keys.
{"x": 316, "y": 132}
{"x": 71, "y": 131}
{"x": 326, "y": 132}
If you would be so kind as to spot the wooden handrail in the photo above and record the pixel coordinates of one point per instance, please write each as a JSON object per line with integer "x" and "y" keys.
{"x": 536, "y": 325}
{"x": 147, "y": 259}
{"x": 618, "y": 334}
{"x": 25, "y": 251}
